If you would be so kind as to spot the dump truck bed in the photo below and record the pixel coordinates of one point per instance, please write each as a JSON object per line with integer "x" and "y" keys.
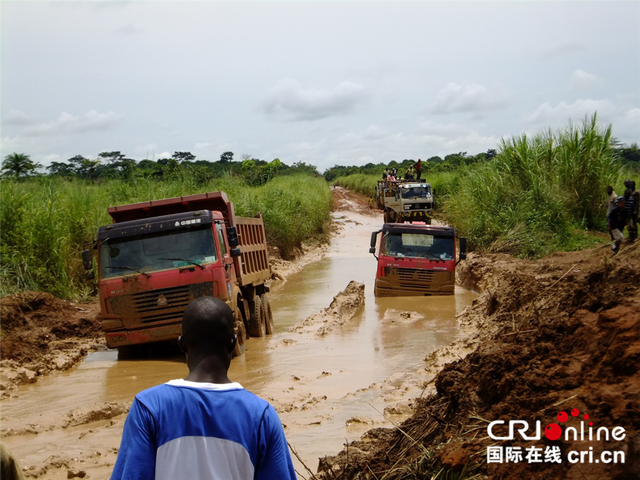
{"x": 254, "y": 263}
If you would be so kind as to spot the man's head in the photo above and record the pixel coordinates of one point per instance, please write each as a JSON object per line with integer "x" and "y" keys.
{"x": 627, "y": 183}
{"x": 609, "y": 190}
{"x": 621, "y": 202}
{"x": 207, "y": 328}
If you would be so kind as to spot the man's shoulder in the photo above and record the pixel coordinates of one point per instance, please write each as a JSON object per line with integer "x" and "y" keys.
{"x": 182, "y": 387}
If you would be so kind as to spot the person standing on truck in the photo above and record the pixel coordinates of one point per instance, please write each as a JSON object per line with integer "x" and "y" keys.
{"x": 203, "y": 426}
{"x": 418, "y": 169}
{"x": 410, "y": 173}
{"x": 391, "y": 177}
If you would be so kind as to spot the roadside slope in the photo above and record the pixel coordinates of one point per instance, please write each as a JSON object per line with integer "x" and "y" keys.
{"x": 563, "y": 335}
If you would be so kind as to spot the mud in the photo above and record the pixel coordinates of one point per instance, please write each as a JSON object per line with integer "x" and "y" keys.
{"x": 343, "y": 308}
{"x": 561, "y": 334}
{"x": 541, "y": 337}
{"x": 42, "y": 334}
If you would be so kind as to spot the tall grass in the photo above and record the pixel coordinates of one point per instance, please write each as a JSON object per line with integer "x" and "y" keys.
{"x": 45, "y": 222}
{"x": 540, "y": 193}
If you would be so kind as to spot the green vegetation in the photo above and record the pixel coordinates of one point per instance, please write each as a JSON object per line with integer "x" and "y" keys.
{"x": 46, "y": 221}
{"x": 537, "y": 195}
{"x": 529, "y": 197}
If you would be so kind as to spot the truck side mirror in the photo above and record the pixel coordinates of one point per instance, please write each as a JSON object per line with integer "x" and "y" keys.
{"x": 235, "y": 252}
{"x": 372, "y": 245}
{"x": 87, "y": 260}
{"x": 463, "y": 248}
{"x": 232, "y": 236}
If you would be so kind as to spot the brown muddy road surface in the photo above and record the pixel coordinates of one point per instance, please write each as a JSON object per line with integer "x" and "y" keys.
{"x": 337, "y": 365}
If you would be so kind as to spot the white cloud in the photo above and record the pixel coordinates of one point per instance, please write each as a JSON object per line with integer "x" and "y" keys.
{"x": 52, "y": 157}
{"x": 425, "y": 140}
{"x": 470, "y": 98}
{"x": 18, "y": 117}
{"x": 562, "y": 50}
{"x": 288, "y": 100}
{"x": 68, "y": 123}
{"x": 624, "y": 117}
{"x": 546, "y": 114}
{"x": 581, "y": 81}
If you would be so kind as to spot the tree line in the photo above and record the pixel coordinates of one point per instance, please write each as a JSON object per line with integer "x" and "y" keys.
{"x": 116, "y": 165}
{"x": 628, "y": 155}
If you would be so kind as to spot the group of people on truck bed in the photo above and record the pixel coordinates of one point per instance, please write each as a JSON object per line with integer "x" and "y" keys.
{"x": 414, "y": 172}
{"x": 622, "y": 211}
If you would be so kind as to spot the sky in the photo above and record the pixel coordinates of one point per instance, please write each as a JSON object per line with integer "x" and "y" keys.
{"x": 325, "y": 83}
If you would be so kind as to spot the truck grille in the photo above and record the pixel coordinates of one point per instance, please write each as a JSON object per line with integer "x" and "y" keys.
{"x": 158, "y": 305}
{"x": 410, "y": 277}
{"x": 418, "y": 206}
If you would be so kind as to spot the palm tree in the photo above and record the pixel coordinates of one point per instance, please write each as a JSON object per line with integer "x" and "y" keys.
{"x": 19, "y": 165}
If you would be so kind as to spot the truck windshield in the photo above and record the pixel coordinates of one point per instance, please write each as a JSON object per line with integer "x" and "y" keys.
{"x": 157, "y": 251}
{"x": 417, "y": 245}
{"x": 416, "y": 192}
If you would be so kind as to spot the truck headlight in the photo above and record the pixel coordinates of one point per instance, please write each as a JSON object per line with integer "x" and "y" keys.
{"x": 407, "y": 207}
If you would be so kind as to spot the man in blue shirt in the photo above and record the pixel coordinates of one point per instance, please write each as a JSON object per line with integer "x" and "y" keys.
{"x": 203, "y": 426}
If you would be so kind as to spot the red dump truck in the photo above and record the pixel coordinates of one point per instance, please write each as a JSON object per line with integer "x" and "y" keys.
{"x": 159, "y": 255}
{"x": 416, "y": 259}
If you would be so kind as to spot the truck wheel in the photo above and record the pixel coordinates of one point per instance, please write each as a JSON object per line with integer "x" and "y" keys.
{"x": 241, "y": 333}
{"x": 386, "y": 217}
{"x": 268, "y": 314}
{"x": 246, "y": 316}
{"x": 257, "y": 325}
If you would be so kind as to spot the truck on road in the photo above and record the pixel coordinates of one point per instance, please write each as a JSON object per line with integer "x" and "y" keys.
{"x": 159, "y": 255}
{"x": 416, "y": 259}
{"x": 405, "y": 201}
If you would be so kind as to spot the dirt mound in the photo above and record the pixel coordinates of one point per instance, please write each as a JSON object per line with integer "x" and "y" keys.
{"x": 40, "y": 333}
{"x": 564, "y": 336}
{"x": 343, "y": 308}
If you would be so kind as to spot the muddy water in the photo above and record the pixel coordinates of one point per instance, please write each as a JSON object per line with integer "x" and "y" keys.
{"x": 327, "y": 390}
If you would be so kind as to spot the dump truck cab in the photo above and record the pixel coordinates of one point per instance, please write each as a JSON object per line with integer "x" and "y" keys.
{"x": 415, "y": 259}
{"x": 159, "y": 255}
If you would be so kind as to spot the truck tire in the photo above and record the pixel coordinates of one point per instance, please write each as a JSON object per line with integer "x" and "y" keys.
{"x": 257, "y": 324}
{"x": 268, "y": 314}
{"x": 387, "y": 219}
{"x": 241, "y": 333}
{"x": 246, "y": 316}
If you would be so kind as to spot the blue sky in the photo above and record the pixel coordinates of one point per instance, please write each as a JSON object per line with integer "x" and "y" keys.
{"x": 324, "y": 83}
